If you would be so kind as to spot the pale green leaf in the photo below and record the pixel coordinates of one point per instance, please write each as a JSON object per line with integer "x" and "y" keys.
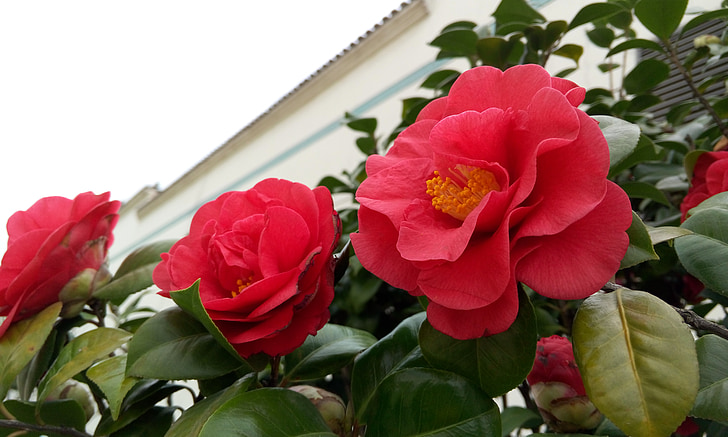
{"x": 110, "y": 376}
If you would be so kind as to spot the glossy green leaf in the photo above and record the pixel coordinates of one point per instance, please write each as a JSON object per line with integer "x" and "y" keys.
{"x": 21, "y": 342}
{"x": 712, "y": 400}
{"x": 194, "y": 419}
{"x": 66, "y": 413}
{"x": 636, "y": 43}
{"x": 458, "y": 41}
{"x": 366, "y": 125}
{"x": 331, "y": 349}
{"x": 189, "y": 300}
{"x": 645, "y": 76}
{"x": 497, "y": 363}
{"x": 79, "y": 354}
{"x": 571, "y": 51}
{"x": 174, "y": 346}
{"x": 155, "y": 422}
{"x": 601, "y": 36}
{"x": 719, "y": 200}
{"x": 702, "y": 18}
{"x": 265, "y": 412}
{"x": 516, "y": 11}
{"x": 638, "y": 361}
{"x": 494, "y": 51}
{"x": 440, "y": 80}
{"x": 595, "y": 11}
{"x": 703, "y": 253}
{"x": 134, "y": 273}
{"x": 513, "y": 418}
{"x": 397, "y": 350}
{"x": 640, "y": 247}
{"x": 622, "y": 137}
{"x": 661, "y": 17}
{"x": 665, "y": 233}
{"x": 643, "y": 190}
{"x": 431, "y": 402}
{"x": 110, "y": 376}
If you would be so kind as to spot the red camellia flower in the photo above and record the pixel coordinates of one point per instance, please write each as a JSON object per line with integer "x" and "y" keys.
{"x": 503, "y": 180}
{"x": 710, "y": 177}
{"x": 51, "y": 243}
{"x": 264, "y": 260}
{"x": 558, "y": 389}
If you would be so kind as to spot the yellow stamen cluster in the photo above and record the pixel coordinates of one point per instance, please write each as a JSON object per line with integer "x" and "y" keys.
{"x": 460, "y": 194}
{"x": 242, "y": 285}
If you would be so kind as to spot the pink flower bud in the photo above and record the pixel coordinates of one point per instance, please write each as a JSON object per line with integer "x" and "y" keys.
{"x": 330, "y": 405}
{"x": 558, "y": 390}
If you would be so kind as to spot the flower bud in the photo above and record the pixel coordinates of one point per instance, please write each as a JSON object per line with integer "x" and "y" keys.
{"x": 79, "y": 289}
{"x": 704, "y": 40}
{"x": 73, "y": 390}
{"x": 330, "y": 405}
{"x": 558, "y": 390}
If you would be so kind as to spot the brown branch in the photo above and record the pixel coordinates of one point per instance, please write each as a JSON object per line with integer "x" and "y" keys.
{"x": 43, "y": 429}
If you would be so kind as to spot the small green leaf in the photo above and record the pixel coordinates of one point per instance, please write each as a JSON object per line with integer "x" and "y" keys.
{"x": 174, "y": 346}
{"x": 21, "y": 342}
{"x": 430, "y": 402}
{"x": 516, "y": 11}
{"x": 265, "y": 412}
{"x": 109, "y": 375}
{"x": 79, "y": 354}
{"x": 601, "y": 36}
{"x": 702, "y": 18}
{"x": 643, "y": 190}
{"x": 460, "y": 42}
{"x": 661, "y": 17}
{"x": 397, "y": 350}
{"x": 640, "y": 247}
{"x": 595, "y": 11}
{"x": 498, "y": 363}
{"x": 690, "y": 160}
{"x": 66, "y": 413}
{"x": 194, "y": 419}
{"x": 666, "y": 233}
{"x": 494, "y": 51}
{"x": 135, "y": 272}
{"x": 571, "y": 51}
{"x": 638, "y": 361}
{"x": 703, "y": 253}
{"x": 645, "y": 76}
{"x": 440, "y": 80}
{"x": 513, "y": 418}
{"x": 636, "y": 43}
{"x": 366, "y": 125}
{"x": 712, "y": 400}
{"x": 646, "y": 150}
{"x": 331, "y": 349}
{"x": 622, "y": 137}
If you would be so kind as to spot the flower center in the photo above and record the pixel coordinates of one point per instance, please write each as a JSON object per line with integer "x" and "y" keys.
{"x": 242, "y": 285}
{"x": 462, "y": 191}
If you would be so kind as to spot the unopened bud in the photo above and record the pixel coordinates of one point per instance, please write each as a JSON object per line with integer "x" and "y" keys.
{"x": 330, "y": 405}
{"x": 75, "y": 391}
{"x": 558, "y": 390}
{"x": 705, "y": 40}
{"x": 79, "y": 289}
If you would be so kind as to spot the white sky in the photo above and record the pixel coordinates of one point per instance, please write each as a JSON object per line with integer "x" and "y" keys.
{"x": 113, "y": 96}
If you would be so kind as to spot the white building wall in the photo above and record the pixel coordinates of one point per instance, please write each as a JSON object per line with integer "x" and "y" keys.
{"x": 303, "y": 137}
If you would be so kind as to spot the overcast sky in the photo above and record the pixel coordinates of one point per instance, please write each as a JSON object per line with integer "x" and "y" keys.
{"x": 113, "y": 96}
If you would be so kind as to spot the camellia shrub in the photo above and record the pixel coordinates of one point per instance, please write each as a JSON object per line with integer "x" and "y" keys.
{"x": 521, "y": 256}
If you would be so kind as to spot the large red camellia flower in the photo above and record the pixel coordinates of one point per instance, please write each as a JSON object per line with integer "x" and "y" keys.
{"x": 710, "y": 177}
{"x": 503, "y": 180}
{"x": 264, "y": 260}
{"x": 48, "y": 245}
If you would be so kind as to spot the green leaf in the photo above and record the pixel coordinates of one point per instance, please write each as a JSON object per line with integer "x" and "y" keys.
{"x": 21, "y": 342}
{"x": 712, "y": 400}
{"x": 595, "y": 11}
{"x": 638, "y": 361}
{"x": 331, "y": 349}
{"x": 265, "y": 412}
{"x": 516, "y": 11}
{"x": 666, "y": 233}
{"x": 661, "y": 17}
{"x": 494, "y": 51}
{"x": 430, "y": 402}
{"x": 622, "y": 137}
{"x": 702, "y": 18}
{"x": 601, "y": 36}
{"x": 645, "y": 76}
{"x": 571, "y": 51}
{"x": 640, "y": 247}
{"x": 636, "y": 43}
{"x": 441, "y": 79}
{"x": 155, "y": 422}
{"x": 498, "y": 363}
{"x": 194, "y": 419}
{"x": 79, "y": 354}
{"x": 513, "y": 418}
{"x": 189, "y": 300}
{"x": 703, "y": 253}
{"x": 690, "y": 160}
{"x": 173, "y": 336}
{"x": 110, "y": 376}
{"x": 134, "y": 273}
{"x": 67, "y": 413}
{"x": 397, "y": 350}
{"x": 719, "y": 200}
{"x": 645, "y": 150}
{"x": 367, "y": 145}
{"x": 643, "y": 190}
{"x": 459, "y": 42}
{"x": 366, "y": 125}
